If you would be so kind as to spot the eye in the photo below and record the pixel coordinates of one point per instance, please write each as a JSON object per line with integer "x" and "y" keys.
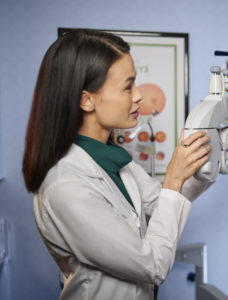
{"x": 129, "y": 87}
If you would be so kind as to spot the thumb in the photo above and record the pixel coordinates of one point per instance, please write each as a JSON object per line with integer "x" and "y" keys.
{"x": 181, "y": 137}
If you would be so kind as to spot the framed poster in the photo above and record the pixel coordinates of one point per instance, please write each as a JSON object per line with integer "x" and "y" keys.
{"x": 161, "y": 62}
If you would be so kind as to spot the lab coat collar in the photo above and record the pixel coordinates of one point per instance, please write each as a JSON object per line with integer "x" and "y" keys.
{"x": 84, "y": 163}
{"x": 86, "y": 166}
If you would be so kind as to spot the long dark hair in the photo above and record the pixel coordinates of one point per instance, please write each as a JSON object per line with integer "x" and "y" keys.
{"x": 78, "y": 60}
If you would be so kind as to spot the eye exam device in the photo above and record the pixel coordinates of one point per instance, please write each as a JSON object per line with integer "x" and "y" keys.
{"x": 211, "y": 115}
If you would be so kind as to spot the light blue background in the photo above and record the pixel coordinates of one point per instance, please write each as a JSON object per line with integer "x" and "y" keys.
{"x": 27, "y": 28}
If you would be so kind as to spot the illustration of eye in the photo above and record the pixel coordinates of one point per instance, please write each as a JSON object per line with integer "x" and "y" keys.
{"x": 160, "y": 156}
{"x": 126, "y": 137}
{"x": 143, "y": 156}
{"x": 160, "y": 136}
{"x": 154, "y": 99}
{"x": 143, "y": 136}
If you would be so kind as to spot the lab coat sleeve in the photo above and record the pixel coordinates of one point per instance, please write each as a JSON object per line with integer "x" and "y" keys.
{"x": 193, "y": 188}
{"x": 81, "y": 220}
{"x": 150, "y": 187}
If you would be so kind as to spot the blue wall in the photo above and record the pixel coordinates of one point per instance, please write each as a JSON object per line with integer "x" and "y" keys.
{"x": 27, "y": 28}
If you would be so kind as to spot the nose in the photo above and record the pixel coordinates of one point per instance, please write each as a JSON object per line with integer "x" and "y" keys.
{"x": 137, "y": 96}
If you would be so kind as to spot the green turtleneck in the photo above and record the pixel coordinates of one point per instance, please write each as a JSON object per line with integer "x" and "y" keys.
{"x": 110, "y": 157}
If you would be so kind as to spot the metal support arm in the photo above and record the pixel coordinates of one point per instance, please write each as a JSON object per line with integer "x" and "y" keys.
{"x": 196, "y": 254}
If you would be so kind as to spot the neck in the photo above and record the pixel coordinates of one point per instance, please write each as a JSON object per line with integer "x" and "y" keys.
{"x": 99, "y": 134}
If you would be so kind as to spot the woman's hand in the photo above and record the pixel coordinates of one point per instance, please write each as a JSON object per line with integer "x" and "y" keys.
{"x": 187, "y": 158}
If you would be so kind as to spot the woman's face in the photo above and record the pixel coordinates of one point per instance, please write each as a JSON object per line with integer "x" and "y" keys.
{"x": 117, "y": 102}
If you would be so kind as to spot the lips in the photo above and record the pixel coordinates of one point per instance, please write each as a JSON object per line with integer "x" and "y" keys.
{"x": 134, "y": 112}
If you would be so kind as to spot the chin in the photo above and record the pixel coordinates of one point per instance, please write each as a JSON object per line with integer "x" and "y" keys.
{"x": 132, "y": 125}
{"x": 127, "y": 125}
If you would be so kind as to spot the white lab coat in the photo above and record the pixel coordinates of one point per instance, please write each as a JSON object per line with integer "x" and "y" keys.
{"x": 101, "y": 244}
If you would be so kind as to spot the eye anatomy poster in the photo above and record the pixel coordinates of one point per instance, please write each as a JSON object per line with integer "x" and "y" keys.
{"x": 161, "y": 63}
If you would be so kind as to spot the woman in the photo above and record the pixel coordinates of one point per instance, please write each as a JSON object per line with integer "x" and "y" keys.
{"x": 90, "y": 197}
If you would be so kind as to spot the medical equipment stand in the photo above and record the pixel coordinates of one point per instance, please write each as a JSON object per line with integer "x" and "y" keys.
{"x": 211, "y": 115}
{"x": 196, "y": 254}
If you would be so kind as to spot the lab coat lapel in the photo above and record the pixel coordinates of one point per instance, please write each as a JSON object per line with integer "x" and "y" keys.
{"x": 114, "y": 194}
{"x": 132, "y": 188}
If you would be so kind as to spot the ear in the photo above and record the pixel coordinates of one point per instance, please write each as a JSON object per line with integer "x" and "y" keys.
{"x": 87, "y": 102}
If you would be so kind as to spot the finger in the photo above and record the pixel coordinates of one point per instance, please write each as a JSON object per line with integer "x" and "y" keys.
{"x": 201, "y": 161}
{"x": 194, "y": 156}
{"x": 199, "y": 143}
{"x": 201, "y": 153}
{"x": 197, "y": 156}
{"x": 193, "y": 137}
{"x": 205, "y": 150}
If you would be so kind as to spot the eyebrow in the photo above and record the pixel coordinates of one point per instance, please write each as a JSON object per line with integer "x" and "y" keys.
{"x": 130, "y": 79}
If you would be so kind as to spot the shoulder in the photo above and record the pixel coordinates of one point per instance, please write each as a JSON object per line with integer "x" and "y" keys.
{"x": 75, "y": 165}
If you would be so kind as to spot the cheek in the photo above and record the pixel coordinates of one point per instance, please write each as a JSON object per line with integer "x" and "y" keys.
{"x": 114, "y": 106}
{"x": 113, "y": 114}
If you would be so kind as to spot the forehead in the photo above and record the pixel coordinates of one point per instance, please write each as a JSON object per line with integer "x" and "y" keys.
{"x": 122, "y": 69}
